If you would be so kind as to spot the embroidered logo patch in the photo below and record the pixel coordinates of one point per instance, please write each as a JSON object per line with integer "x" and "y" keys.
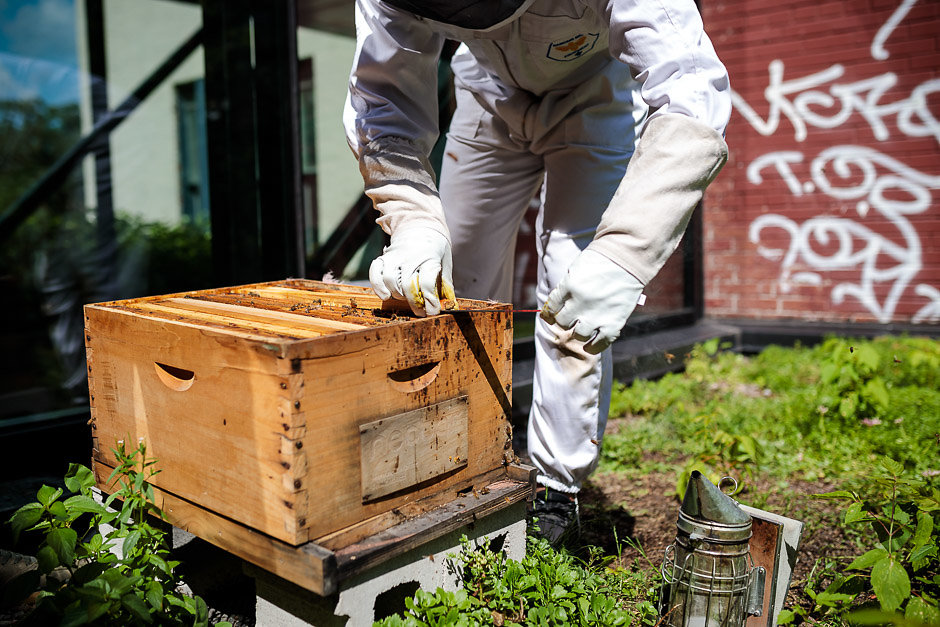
{"x": 573, "y": 48}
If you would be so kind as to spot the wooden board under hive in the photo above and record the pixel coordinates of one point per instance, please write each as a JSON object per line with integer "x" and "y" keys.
{"x": 298, "y": 408}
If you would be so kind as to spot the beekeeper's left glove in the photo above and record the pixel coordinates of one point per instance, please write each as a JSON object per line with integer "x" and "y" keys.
{"x": 594, "y": 300}
{"x": 416, "y": 266}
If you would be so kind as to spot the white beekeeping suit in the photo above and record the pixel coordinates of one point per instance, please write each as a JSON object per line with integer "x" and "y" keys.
{"x": 552, "y": 95}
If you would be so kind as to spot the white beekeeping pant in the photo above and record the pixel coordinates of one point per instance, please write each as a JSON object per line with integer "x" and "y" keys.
{"x": 576, "y": 147}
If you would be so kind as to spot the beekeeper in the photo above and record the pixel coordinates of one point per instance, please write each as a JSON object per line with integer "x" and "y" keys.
{"x": 553, "y": 97}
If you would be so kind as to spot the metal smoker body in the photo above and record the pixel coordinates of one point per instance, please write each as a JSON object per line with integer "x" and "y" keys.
{"x": 708, "y": 577}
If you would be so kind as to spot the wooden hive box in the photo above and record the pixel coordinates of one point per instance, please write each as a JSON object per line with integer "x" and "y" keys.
{"x": 298, "y": 408}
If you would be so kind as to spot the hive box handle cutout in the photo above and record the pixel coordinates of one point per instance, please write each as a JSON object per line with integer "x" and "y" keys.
{"x": 178, "y": 379}
{"x": 414, "y": 378}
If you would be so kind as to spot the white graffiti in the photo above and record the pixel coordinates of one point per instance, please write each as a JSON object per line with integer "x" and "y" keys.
{"x": 887, "y": 256}
{"x": 802, "y": 106}
{"x": 878, "y": 51}
{"x": 828, "y": 243}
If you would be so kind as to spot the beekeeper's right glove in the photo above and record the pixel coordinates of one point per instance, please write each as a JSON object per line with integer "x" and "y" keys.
{"x": 417, "y": 267}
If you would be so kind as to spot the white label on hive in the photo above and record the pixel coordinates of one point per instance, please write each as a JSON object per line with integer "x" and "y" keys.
{"x": 404, "y": 450}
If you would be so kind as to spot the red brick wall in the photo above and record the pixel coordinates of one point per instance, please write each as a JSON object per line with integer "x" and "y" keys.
{"x": 828, "y": 208}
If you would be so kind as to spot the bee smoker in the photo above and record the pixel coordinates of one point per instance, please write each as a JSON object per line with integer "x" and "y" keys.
{"x": 709, "y": 579}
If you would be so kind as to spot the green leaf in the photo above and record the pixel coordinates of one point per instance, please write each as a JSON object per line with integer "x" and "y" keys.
{"x": 137, "y": 607}
{"x": 890, "y": 582}
{"x": 711, "y": 346}
{"x": 848, "y": 405}
{"x": 920, "y": 557}
{"x": 130, "y": 542}
{"x": 48, "y": 559}
{"x": 924, "y": 529}
{"x": 881, "y": 617}
{"x": 876, "y": 392}
{"x": 868, "y": 356}
{"x": 892, "y": 467}
{"x": 155, "y": 596}
{"x": 833, "y": 599}
{"x": 84, "y": 504}
{"x": 79, "y": 478}
{"x": 202, "y": 611}
{"x": 854, "y": 513}
{"x": 58, "y": 510}
{"x": 160, "y": 563}
{"x": 867, "y": 560}
{"x": 97, "y": 609}
{"x": 63, "y": 542}
{"x": 838, "y": 494}
{"x": 75, "y": 615}
{"x": 89, "y": 571}
{"x": 828, "y": 372}
{"x": 47, "y": 494}
{"x": 919, "y": 610}
{"x": 25, "y": 517}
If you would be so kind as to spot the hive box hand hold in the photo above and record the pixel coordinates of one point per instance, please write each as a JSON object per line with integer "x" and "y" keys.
{"x": 298, "y": 408}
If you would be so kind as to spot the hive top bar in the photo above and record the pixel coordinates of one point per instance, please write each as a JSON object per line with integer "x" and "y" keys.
{"x": 292, "y": 309}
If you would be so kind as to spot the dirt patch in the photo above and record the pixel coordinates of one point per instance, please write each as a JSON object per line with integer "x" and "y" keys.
{"x": 639, "y": 513}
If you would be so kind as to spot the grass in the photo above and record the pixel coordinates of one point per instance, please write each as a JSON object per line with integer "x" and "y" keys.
{"x": 774, "y": 414}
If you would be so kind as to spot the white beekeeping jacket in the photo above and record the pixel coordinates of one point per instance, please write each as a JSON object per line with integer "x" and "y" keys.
{"x": 545, "y": 46}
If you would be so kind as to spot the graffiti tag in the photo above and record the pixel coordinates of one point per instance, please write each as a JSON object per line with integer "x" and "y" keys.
{"x": 883, "y": 188}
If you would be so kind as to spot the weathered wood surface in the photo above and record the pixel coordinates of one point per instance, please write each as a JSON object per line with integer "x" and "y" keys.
{"x": 253, "y": 398}
{"x": 402, "y": 451}
{"x": 321, "y": 566}
{"x": 308, "y": 565}
{"x": 358, "y": 558}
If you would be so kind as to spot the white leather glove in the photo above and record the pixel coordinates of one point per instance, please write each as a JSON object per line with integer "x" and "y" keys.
{"x": 594, "y": 300}
{"x": 416, "y": 266}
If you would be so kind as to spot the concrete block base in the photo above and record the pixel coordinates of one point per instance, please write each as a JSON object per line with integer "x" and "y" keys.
{"x": 381, "y": 591}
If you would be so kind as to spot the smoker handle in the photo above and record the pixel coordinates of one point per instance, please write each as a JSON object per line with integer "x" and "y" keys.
{"x": 755, "y": 593}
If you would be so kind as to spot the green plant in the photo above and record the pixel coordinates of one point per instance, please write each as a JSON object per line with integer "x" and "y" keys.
{"x": 831, "y": 595}
{"x": 137, "y": 585}
{"x": 901, "y": 566}
{"x": 728, "y": 453}
{"x": 547, "y": 587}
{"x": 851, "y": 379}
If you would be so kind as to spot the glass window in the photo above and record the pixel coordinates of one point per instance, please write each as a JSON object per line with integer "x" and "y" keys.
{"x": 194, "y": 155}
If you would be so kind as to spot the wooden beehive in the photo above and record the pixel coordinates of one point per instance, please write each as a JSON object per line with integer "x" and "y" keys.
{"x": 298, "y": 408}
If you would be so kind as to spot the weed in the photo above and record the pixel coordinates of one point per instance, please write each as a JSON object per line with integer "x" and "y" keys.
{"x": 896, "y": 579}
{"x": 547, "y": 587}
{"x": 81, "y": 579}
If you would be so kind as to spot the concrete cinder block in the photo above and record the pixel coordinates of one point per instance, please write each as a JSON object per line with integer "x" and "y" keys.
{"x": 381, "y": 591}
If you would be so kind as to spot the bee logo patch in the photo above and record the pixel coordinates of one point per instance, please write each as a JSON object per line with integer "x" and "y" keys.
{"x": 572, "y": 48}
